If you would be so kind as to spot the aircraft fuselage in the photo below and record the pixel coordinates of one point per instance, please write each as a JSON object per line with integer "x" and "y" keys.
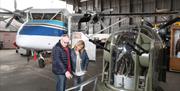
{"x": 40, "y": 34}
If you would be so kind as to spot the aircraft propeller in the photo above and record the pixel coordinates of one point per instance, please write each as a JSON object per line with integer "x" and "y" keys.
{"x": 18, "y": 15}
{"x": 94, "y": 16}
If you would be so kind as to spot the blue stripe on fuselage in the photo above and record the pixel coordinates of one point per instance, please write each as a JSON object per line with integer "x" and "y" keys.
{"x": 41, "y": 31}
{"x": 53, "y": 22}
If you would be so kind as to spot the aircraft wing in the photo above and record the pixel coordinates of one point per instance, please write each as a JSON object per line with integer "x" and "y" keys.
{"x": 5, "y": 14}
{"x": 141, "y": 14}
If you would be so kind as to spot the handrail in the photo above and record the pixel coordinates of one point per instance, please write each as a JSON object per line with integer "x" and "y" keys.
{"x": 93, "y": 79}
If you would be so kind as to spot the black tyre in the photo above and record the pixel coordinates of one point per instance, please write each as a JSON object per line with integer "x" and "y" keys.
{"x": 28, "y": 53}
{"x": 41, "y": 63}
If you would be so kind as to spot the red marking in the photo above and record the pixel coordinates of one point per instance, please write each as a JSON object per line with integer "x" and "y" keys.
{"x": 35, "y": 56}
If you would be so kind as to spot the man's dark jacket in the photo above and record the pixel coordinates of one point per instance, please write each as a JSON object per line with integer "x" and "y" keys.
{"x": 59, "y": 59}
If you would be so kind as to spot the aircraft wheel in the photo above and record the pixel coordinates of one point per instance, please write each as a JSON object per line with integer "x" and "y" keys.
{"x": 41, "y": 63}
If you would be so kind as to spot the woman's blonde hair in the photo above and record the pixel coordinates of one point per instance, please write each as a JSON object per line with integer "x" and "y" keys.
{"x": 80, "y": 43}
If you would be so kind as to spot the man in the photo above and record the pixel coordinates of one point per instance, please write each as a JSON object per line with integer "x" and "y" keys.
{"x": 61, "y": 65}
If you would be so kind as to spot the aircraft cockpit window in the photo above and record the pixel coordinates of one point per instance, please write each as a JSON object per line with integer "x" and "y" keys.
{"x": 48, "y": 16}
{"x": 122, "y": 55}
{"x": 36, "y": 16}
{"x": 58, "y": 17}
{"x": 130, "y": 48}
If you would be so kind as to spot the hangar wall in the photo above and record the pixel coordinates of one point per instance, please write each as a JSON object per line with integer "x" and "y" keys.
{"x": 127, "y": 6}
{"x": 7, "y": 38}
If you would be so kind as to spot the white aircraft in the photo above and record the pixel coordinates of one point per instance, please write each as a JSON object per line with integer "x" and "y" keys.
{"x": 42, "y": 29}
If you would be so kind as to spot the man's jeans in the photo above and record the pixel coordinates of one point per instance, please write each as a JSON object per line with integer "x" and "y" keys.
{"x": 61, "y": 82}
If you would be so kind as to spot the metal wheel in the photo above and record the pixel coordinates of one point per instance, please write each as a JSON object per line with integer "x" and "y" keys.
{"x": 41, "y": 63}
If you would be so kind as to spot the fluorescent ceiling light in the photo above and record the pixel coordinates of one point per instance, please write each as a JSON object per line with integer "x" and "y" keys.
{"x": 83, "y": 0}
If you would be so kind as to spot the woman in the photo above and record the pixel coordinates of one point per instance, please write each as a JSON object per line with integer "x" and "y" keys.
{"x": 80, "y": 62}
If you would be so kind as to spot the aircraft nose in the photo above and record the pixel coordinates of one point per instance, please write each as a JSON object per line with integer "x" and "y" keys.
{"x": 21, "y": 41}
{"x": 36, "y": 42}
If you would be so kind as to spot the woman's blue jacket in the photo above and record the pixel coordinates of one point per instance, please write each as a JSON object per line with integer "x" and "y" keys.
{"x": 84, "y": 58}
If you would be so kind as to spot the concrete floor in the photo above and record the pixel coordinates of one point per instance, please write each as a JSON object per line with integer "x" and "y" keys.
{"x": 173, "y": 82}
{"x": 16, "y": 74}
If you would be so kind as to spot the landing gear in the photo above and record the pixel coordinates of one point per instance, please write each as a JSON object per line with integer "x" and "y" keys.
{"x": 43, "y": 59}
{"x": 41, "y": 63}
